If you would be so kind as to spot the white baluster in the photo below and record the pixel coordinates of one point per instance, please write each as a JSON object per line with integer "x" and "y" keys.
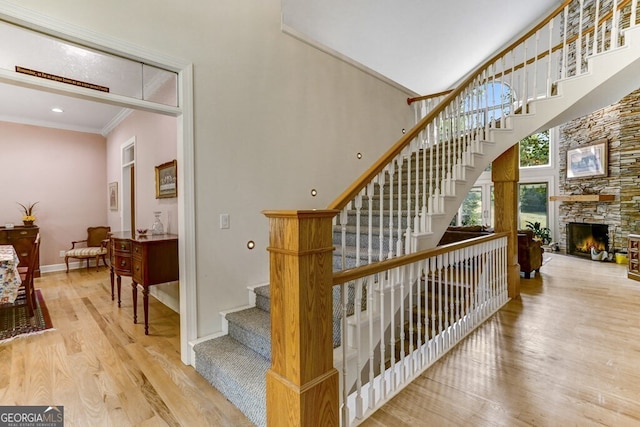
{"x": 392, "y": 328}
{"x": 579, "y": 41}
{"x": 549, "y": 79}
{"x": 565, "y": 68}
{"x": 408, "y": 231}
{"x": 381, "y": 182}
{"x": 399, "y": 163}
{"x": 384, "y": 279}
{"x": 535, "y": 67}
{"x": 372, "y": 345}
{"x": 525, "y": 78}
{"x": 370, "y": 193}
{"x": 615, "y": 23}
{"x": 391, "y": 212}
{"x": 357, "y": 308}
{"x": 595, "y": 28}
{"x": 416, "y": 216}
{"x": 402, "y": 271}
{"x": 512, "y": 99}
{"x": 358, "y": 206}
{"x": 343, "y": 342}
{"x": 502, "y": 94}
{"x": 426, "y": 149}
{"x": 343, "y": 229}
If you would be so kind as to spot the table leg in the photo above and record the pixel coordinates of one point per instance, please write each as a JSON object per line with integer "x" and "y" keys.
{"x": 134, "y": 287}
{"x": 111, "y": 275}
{"x": 145, "y": 300}
{"x": 119, "y": 287}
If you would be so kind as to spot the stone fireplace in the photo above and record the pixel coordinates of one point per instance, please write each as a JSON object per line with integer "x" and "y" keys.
{"x": 619, "y": 125}
{"x": 583, "y": 236}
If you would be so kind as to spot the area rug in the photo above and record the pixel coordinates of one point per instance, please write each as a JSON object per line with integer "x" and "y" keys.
{"x": 16, "y": 322}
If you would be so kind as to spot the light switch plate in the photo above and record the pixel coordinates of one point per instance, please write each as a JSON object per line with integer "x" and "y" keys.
{"x": 224, "y": 221}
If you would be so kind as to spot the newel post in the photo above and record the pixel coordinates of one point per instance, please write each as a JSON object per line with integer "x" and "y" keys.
{"x": 505, "y": 174}
{"x": 302, "y": 384}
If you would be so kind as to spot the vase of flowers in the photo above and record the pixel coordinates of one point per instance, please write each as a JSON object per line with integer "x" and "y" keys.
{"x": 27, "y": 210}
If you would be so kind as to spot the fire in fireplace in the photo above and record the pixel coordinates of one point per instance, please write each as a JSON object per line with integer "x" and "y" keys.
{"x": 582, "y": 236}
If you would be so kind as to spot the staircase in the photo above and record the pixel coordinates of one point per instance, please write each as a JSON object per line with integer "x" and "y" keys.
{"x": 236, "y": 363}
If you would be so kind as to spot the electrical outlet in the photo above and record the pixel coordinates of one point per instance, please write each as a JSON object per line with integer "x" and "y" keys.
{"x": 62, "y": 254}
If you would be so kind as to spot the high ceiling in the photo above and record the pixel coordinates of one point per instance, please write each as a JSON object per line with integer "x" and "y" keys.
{"x": 425, "y": 46}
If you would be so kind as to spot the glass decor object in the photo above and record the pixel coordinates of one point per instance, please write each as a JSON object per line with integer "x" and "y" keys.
{"x": 157, "y": 227}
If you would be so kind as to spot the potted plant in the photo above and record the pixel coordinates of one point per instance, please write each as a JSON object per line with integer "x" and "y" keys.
{"x": 28, "y": 218}
{"x": 542, "y": 233}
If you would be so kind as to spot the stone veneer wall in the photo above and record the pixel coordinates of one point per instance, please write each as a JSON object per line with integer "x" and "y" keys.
{"x": 619, "y": 124}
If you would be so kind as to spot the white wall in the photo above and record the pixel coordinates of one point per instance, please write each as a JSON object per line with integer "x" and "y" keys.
{"x": 274, "y": 118}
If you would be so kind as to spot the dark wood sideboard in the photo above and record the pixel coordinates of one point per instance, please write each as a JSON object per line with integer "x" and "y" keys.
{"x": 22, "y": 238}
{"x": 149, "y": 261}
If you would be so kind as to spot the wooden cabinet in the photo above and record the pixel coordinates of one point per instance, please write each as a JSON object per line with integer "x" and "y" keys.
{"x": 633, "y": 270}
{"x": 22, "y": 239}
{"x": 149, "y": 261}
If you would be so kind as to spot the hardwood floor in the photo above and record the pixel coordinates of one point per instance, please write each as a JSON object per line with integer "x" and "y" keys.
{"x": 102, "y": 368}
{"x": 566, "y": 354}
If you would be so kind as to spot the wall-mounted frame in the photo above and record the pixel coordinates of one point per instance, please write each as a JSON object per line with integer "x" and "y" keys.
{"x": 588, "y": 161}
{"x": 113, "y": 196}
{"x": 167, "y": 180}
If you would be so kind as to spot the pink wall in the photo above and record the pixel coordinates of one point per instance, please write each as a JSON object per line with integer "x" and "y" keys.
{"x": 155, "y": 137}
{"x": 65, "y": 171}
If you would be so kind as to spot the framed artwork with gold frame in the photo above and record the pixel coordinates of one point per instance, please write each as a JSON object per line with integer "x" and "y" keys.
{"x": 167, "y": 180}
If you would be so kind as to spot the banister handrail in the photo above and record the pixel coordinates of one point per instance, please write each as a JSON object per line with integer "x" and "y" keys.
{"x": 380, "y": 164}
{"x": 345, "y": 276}
{"x": 430, "y": 96}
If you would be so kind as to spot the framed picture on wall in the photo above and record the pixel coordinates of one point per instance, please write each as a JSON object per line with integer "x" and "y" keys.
{"x": 113, "y": 196}
{"x": 588, "y": 161}
{"x": 167, "y": 180}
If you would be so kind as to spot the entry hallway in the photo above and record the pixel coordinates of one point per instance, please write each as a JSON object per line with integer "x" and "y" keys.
{"x": 566, "y": 354}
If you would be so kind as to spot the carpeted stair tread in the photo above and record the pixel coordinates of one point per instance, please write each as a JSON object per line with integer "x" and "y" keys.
{"x": 237, "y": 372}
{"x": 263, "y": 297}
{"x": 252, "y": 327}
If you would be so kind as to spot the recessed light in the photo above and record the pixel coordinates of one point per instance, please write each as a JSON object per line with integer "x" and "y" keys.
{"x": 57, "y": 110}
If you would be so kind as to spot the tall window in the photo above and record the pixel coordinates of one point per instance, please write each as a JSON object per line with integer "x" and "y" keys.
{"x": 533, "y": 204}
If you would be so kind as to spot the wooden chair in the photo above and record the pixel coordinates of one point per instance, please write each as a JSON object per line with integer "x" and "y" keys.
{"x": 93, "y": 247}
{"x": 26, "y": 292}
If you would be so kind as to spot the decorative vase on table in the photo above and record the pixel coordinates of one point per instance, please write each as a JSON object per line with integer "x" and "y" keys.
{"x": 157, "y": 227}
{"x": 28, "y": 221}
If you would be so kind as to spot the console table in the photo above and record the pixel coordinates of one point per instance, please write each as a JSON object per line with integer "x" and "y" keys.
{"x": 148, "y": 260}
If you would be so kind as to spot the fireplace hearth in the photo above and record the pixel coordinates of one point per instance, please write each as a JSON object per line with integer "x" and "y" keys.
{"x": 582, "y": 236}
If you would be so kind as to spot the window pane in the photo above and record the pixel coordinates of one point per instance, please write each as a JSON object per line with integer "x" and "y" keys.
{"x": 534, "y": 150}
{"x": 492, "y": 210}
{"x": 533, "y": 204}
{"x": 472, "y": 207}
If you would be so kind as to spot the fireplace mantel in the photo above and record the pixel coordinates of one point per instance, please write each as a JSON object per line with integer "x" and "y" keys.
{"x": 584, "y": 198}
